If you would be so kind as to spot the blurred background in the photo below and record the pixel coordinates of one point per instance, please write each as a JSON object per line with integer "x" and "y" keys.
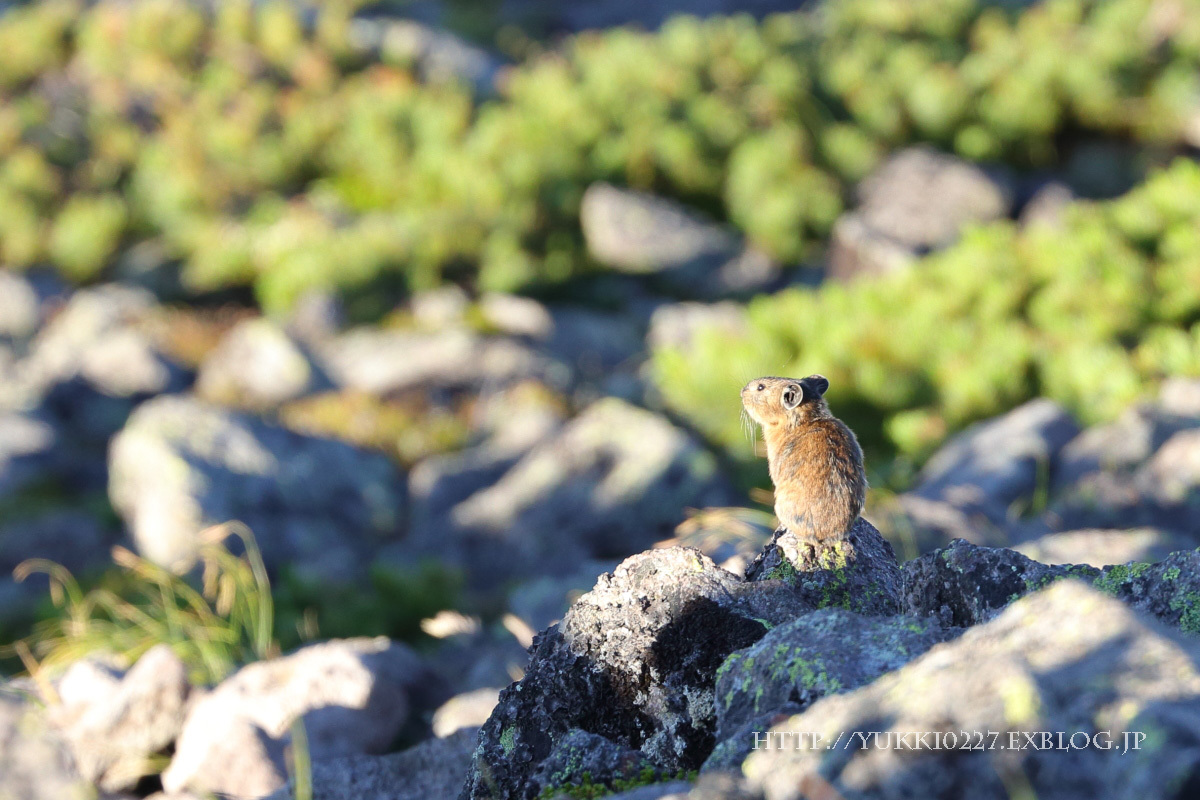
{"x": 450, "y": 302}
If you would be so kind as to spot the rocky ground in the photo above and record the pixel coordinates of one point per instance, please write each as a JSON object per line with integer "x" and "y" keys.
{"x": 1046, "y": 578}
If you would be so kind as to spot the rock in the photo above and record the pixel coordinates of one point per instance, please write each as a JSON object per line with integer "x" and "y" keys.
{"x": 116, "y": 728}
{"x": 639, "y": 233}
{"x": 1098, "y": 547}
{"x": 610, "y": 482}
{"x": 480, "y": 660}
{"x": 585, "y": 760}
{"x": 180, "y": 466}
{"x": 511, "y": 422}
{"x": 316, "y": 317}
{"x": 84, "y": 372}
{"x": 28, "y": 454}
{"x": 992, "y": 464}
{"x": 256, "y": 366}
{"x": 595, "y": 343}
{"x": 516, "y": 316}
{"x": 353, "y": 695}
{"x": 860, "y": 573}
{"x": 857, "y": 250}
{"x": 670, "y": 790}
{"x": 826, "y": 652}
{"x": 1047, "y": 206}
{"x": 1066, "y": 659}
{"x": 432, "y": 770}
{"x": 20, "y": 307}
{"x": 541, "y": 602}
{"x": 35, "y": 764}
{"x": 95, "y": 343}
{"x": 634, "y": 662}
{"x": 965, "y": 584}
{"x": 1172, "y": 476}
{"x": 923, "y": 524}
{"x": 440, "y": 308}
{"x": 676, "y": 325}
{"x": 1180, "y": 396}
{"x": 469, "y": 710}
{"x": 1121, "y": 446}
{"x": 439, "y": 56}
{"x": 382, "y": 361}
{"x": 917, "y": 201}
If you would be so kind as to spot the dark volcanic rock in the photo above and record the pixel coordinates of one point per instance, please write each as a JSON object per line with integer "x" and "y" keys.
{"x": 859, "y": 574}
{"x": 965, "y": 584}
{"x": 1066, "y": 659}
{"x": 633, "y": 661}
{"x": 579, "y": 757}
{"x": 826, "y": 652}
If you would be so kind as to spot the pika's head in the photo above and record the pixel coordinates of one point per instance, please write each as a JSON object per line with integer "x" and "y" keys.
{"x": 777, "y": 401}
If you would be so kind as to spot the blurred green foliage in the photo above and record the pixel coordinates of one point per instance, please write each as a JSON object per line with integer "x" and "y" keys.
{"x": 392, "y": 603}
{"x": 1092, "y": 313}
{"x": 989, "y": 83}
{"x": 266, "y": 150}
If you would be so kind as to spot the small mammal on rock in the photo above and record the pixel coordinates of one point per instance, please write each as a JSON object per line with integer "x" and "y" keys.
{"x": 814, "y": 459}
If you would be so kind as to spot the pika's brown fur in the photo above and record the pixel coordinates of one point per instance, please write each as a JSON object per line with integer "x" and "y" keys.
{"x": 814, "y": 459}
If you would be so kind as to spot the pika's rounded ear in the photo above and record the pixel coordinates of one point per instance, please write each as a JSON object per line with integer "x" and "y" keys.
{"x": 817, "y": 384}
{"x": 792, "y": 395}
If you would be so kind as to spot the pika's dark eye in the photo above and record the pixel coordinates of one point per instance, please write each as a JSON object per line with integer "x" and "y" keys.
{"x": 761, "y": 387}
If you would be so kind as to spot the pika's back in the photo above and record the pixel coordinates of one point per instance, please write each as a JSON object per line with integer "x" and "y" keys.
{"x": 814, "y": 459}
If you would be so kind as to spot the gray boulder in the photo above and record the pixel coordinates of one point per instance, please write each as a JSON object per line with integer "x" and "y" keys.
{"x": 966, "y": 584}
{"x": 509, "y": 424}
{"x": 634, "y": 661}
{"x": 180, "y": 466}
{"x": 676, "y": 325}
{"x": 1048, "y": 206}
{"x": 582, "y": 760}
{"x": 542, "y": 601}
{"x": 1098, "y": 547}
{"x": 612, "y": 481}
{"x": 1066, "y": 659}
{"x": 114, "y": 726}
{"x": 859, "y": 573}
{"x": 354, "y": 697}
{"x": 382, "y": 361}
{"x": 432, "y": 770}
{"x": 94, "y": 348}
{"x": 255, "y": 366}
{"x": 639, "y": 233}
{"x": 826, "y": 652}
{"x": 917, "y": 201}
{"x": 1121, "y": 446}
{"x": 993, "y": 464}
{"x": 82, "y": 375}
{"x": 35, "y": 763}
{"x": 28, "y": 452}
{"x": 20, "y": 307}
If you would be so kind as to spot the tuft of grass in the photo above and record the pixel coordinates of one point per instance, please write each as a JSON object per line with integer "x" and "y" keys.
{"x": 226, "y": 621}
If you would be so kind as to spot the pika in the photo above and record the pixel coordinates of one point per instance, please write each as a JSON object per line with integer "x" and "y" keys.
{"x": 814, "y": 459}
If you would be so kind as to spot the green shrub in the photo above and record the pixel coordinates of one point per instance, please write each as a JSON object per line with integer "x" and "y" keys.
{"x": 86, "y": 234}
{"x": 264, "y": 150}
{"x": 1093, "y": 314}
